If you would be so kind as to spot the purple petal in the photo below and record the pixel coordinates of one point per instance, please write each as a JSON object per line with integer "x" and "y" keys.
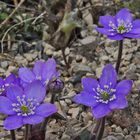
{"x": 13, "y": 122}
{"x": 124, "y": 15}
{"x": 33, "y": 119}
{"x": 100, "y": 110}
{"x": 46, "y": 110}
{"x": 129, "y": 35}
{"x": 35, "y": 90}
{"x": 85, "y": 98}
{"x": 6, "y": 106}
{"x": 14, "y": 91}
{"x": 135, "y": 31}
{"x": 116, "y": 37}
{"x": 26, "y": 75}
{"x": 119, "y": 103}
{"x": 38, "y": 67}
{"x": 89, "y": 84}
{"x": 109, "y": 76}
{"x": 105, "y": 31}
{"x": 12, "y": 79}
{"x": 136, "y": 23}
{"x": 1, "y": 82}
{"x": 105, "y": 20}
{"x": 124, "y": 87}
{"x": 49, "y": 69}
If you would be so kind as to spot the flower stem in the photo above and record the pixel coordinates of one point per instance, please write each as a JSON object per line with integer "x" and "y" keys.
{"x": 99, "y": 128}
{"x": 65, "y": 59}
{"x": 13, "y": 137}
{"x": 119, "y": 55}
{"x": 27, "y": 131}
{"x": 44, "y": 124}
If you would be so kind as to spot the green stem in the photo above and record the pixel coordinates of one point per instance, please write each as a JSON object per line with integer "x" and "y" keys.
{"x": 13, "y": 137}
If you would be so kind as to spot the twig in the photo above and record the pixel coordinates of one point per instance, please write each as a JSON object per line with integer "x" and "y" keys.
{"x": 6, "y": 20}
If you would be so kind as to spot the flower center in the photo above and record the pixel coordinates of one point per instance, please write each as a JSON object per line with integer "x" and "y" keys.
{"x": 24, "y": 106}
{"x": 104, "y": 95}
{"x": 122, "y": 26}
{"x": 121, "y": 29}
{"x": 24, "y": 109}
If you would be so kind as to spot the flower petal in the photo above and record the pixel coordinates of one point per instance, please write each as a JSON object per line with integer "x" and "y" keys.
{"x": 109, "y": 76}
{"x": 13, "y": 122}
{"x": 124, "y": 87}
{"x": 89, "y": 84}
{"x": 100, "y": 110}
{"x": 119, "y": 103}
{"x": 124, "y": 15}
{"x": 35, "y": 90}
{"x": 49, "y": 69}
{"x": 116, "y": 37}
{"x": 32, "y": 119}
{"x": 105, "y": 31}
{"x": 6, "y": 106}
{"x": 12, "y": 79}
{"x": 129, "y": 35}
{"x": 13, "y": 91}
{"x": 38, "y": 67}
{"x": 1, "y": 82}
{"x": 135, "y": 31}
{"x": 136, "y": 23}
{"x": 26, "y": 75}
{"x": 85, "y": 98}
{"x": 46, "y": 110}
{"x": 105, "y": 20}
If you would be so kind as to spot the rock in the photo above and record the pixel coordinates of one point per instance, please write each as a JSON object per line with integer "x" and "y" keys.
{"x": 111, "y": 138}
{"x": 99, "y": 71}
{"x": 88, "y": 40}
{"x": 4, "y": 64}
{"x": 88, "y": 17}
{"x": 129, "y": 137}
{"x": 118, "y": 129}
{"x": 81, "y": 68}
{"x": 104, "y": 58}
{"x": 74, "y": 112}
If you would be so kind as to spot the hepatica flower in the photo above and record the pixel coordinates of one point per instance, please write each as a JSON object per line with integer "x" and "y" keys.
{"x": 8, "y": 81}
{"x": 120, "y": 26}
{"x": 104, "y": 95}
{"x": 43, "y": 71}
{"x": 25, "y": 106}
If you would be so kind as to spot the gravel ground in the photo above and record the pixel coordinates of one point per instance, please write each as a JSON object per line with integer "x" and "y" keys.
{"x": 88, "y": 56}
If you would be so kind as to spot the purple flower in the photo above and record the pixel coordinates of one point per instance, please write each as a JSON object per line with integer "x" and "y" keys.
{"x": 106, "y": 94}
{"x": 25, "y": 106}
{"x": 8, "y": 81}
{"x": 120, "y": 26}
{"x": 43, "y": 71}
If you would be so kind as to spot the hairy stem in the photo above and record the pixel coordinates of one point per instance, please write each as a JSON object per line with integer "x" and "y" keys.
{"x": 119, "y": 55}
{"x": 27, "y": 131}
{"x": 44, "y": 124}
{"x": 13, "y": 137}
{"x": 65, "y": 59}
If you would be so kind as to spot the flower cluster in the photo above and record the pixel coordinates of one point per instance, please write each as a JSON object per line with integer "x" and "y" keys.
{"x": 120, "y": 26}
{"x": 106, "y": 94}
{"x": 23, "y": 100}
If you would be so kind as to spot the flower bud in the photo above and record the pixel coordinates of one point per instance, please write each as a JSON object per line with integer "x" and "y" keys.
{"x": 56, "y": 85}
